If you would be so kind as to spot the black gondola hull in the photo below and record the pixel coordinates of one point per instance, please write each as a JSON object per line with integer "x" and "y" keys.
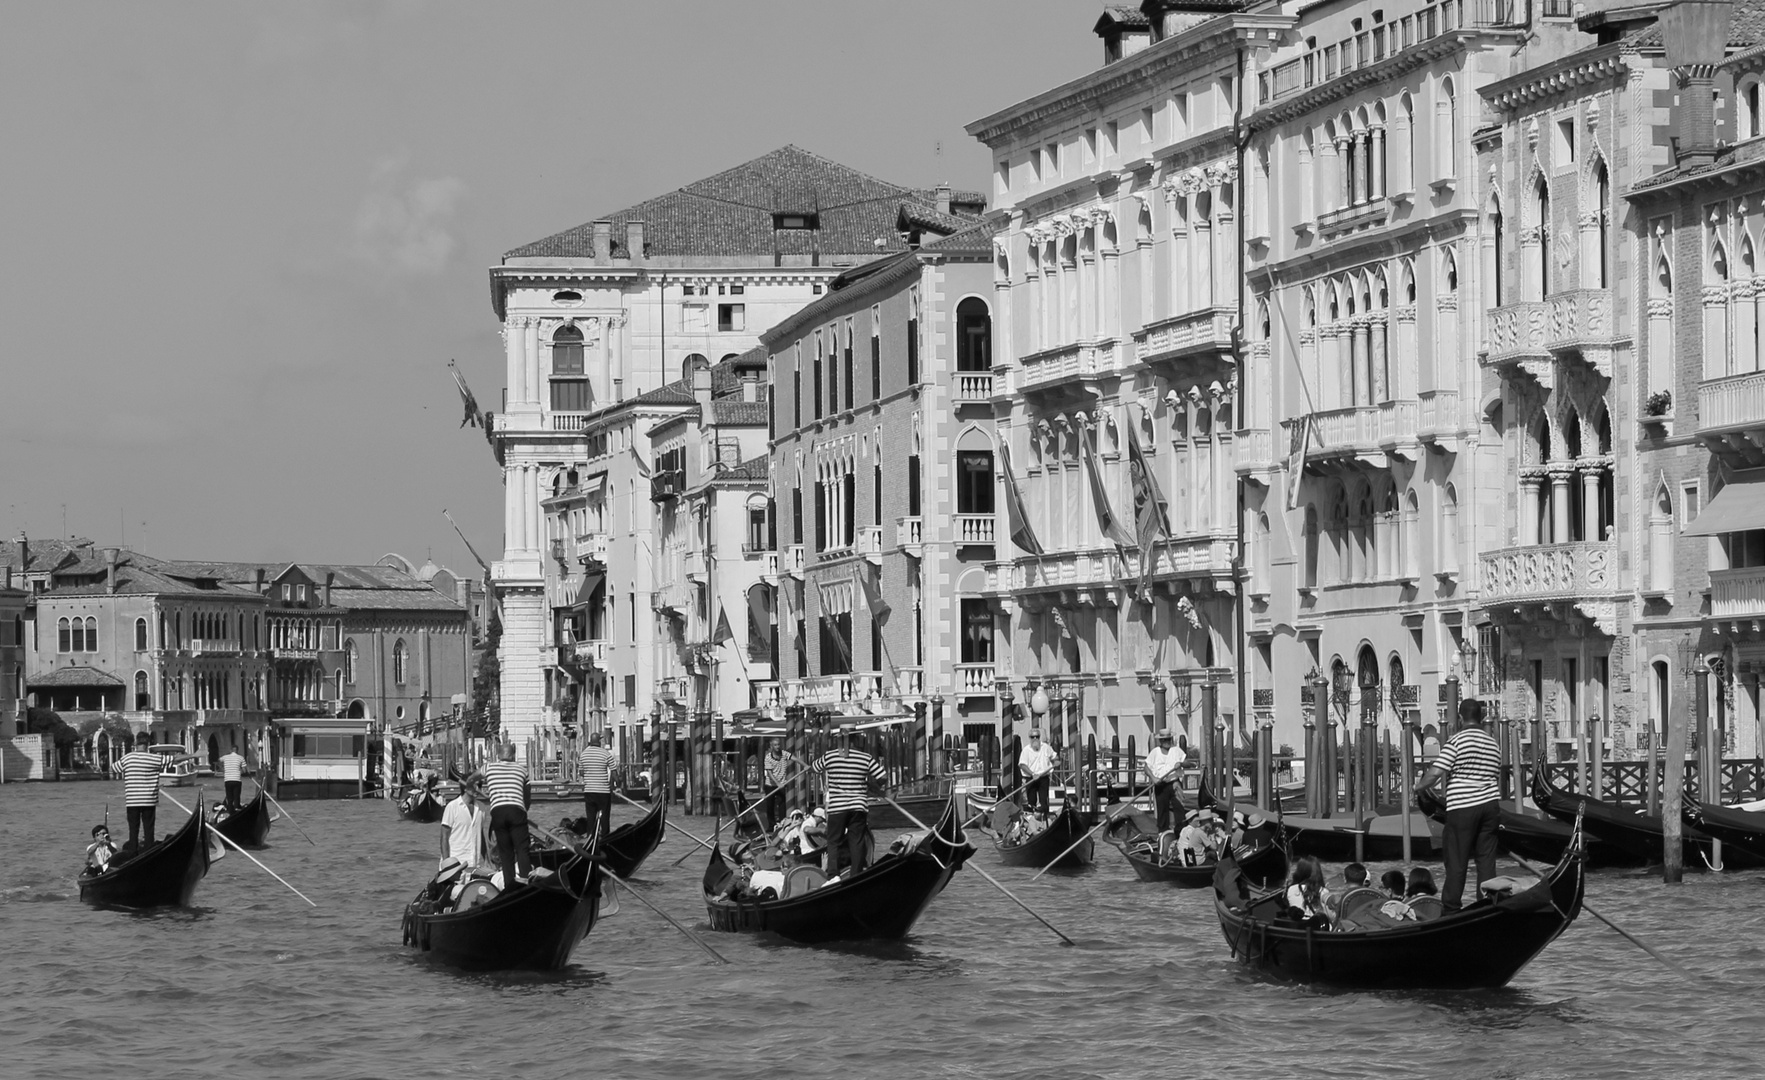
{"x": 165, "y": 875}
{"x": 924, "y": 807}
{"x": 1541, "y": 839}
{"x": 1742, "y": 832}
{"x": 1337, "y": 844}
{"x": 250, "y": 825}
{"x": 1046, "y": 846}
{"x": 1265, "y": 865}
{"x": 425, "y": 809}
{"x": 1637, "y": 836}
{"x": 533, "y": 928}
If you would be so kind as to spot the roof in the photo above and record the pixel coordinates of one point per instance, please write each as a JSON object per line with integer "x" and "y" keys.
{"x": 752, "y": 413}
{"x": 75, "y": 676}
{"x": 754, "y": 470}
{"x": 1746, "y": 27}
{"x": 45, "y": 555}
{"x": 731, "y": 213}
{"x": 1115, "y": 16}
{"x": 421, "y": 598}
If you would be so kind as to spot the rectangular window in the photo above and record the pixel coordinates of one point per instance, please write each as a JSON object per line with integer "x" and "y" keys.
{"x": 300, "y": 593}
{"x": 731, "y": 317}
{"x": 977, "y": 631}
{"x": 737, "y": 290}
{"x": 817, "y": 386}
{"x": 850, "y": 379}
{"x": 1090, "y": 146}
{"x": 1146, "y": 127}
{"x": 821, "y": 516}
{"x": 912, "y": 352}
{"x": 1688, "y": 504}
{"x": 875, "y": 366}
{"x": 797, "y": 386}
{"x": 833, "y": 370}
{"x": 1051, "y": 162}
{"x": 974, "y": 482}
{"x": 797, "y": 515}
{"x": 1111, "y": 140}
{"x": 1564, "y": 144}
{"x": 571, "y": 395}
{"x": 1002, "y": 177}
{"x": 876, "y": 490}
{"x": 913, "y": 485}
{"x": 287, "y": 591}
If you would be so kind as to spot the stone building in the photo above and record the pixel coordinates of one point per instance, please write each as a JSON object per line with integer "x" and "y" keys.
{"x": 599, "y": 322}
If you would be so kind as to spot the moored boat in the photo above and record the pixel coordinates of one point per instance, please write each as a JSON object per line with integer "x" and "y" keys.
{"x": 881, "y": 902}
{"x": 622, "y": 851}
{"x": 163, "y": 875}
{"x": 1741, "y": 830}
{"x": 1042, "y": 848}
{"x": 1542, "y": 839}
{"x": 249, "y": 825}
{"x": 1633, "y": 831}
{"x": 1481, "y": 947}
{"x": 531, "y": 927}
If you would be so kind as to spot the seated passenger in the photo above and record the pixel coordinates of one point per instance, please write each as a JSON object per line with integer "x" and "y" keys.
{"x": 1391, "y": 883}
{"x": 100, "y": 851}
{"x": 812, "y": 838}
{"x": 1354, "y": 875}
{"x": 1200, "y": 840}
{"x": 1307, "y": 899}
{"x": 1421, "y": 884}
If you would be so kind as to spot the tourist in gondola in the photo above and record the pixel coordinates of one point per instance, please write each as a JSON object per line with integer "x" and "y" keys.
{"x": 232, "y": 779}
{"x": 140, "y": 771}
{"x": 775, "y": 769}
{"x": 1201, "y": 839}
{"x": 1161, "y": 766}
{"x": 1307, "y": 898}
{"x": 464, "y": 826}
{"x": 1036, "y": 765}
{"x": 595, "y": 767}
{"x": 1421, "y": 884}
{"x": 100, "y": 851}
{"x": 849, "y": 774}
{"x": 1470, "y": 764}
{"x": 506, "y": 783}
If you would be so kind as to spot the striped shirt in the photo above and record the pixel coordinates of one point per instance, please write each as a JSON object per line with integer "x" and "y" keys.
{"x": 1474, "y": 761}
{"x": 775, "y": 769}
{"x": 140, "y": 773}
{"x": 506, "y": 781}
{"x": 846, "y": 773}
{"x": 595, "y": 764}
{"x": 232, "y": 767}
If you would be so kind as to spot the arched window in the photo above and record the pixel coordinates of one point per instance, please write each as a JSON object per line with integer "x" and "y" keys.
{"x": 143, "y": 699}
{"x": 1661, "y": 542}
{"x": 567, "y": 351}
{"x": 91, "y": 634}
{"x": 569, "y": 388}
{"x": 140, "y": 635}
{"x": 337, "y": 685}
{"x": 64, "y": 641}
{"x": 1409, "y": 136}
{"x": 974, "y": 336}
{"x": 1541, "y": 201}
{"x": 1747, "y": 123}
{"x": 1602, "y": 193}
{"x": 349, "y": 661}
{"x": 1446, "y": 125}
{"x": 1498, "y": 254}
{"x": 400, "y": 661}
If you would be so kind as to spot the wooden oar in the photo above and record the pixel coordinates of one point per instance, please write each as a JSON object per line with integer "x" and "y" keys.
{"x": 990, "y": 879}
{"x": 1625, "y": 934}
{"x": 1107, "y": 818}
{"x": 239, "y": 849}
{"x": 672, "y": 921}
{"x": 702, "y": 843}
{"x": 750, "y": 808}
{"x": 283, "y": 810}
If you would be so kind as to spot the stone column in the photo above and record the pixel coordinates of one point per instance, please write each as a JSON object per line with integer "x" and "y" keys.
{"x": 1363, "y": 151}
{"x": 532, "y": 360}
{"x": 1560, "y": 475}
{"x": 1590, "y": 502}
{"x": 1378, "y": 162}
{"x": 1746, "y": 327}
{"x": 1344, "y": 172}
{"x": 516, "y": 368}
{"x": 1360, "y": 345}
{"x": 1381, "y": 358}
{"x": 1531, "y": 490}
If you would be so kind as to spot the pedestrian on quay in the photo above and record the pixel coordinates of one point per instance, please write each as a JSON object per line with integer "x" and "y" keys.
{"x": 232, "y": 778}
{"x": 849, "y": 776}
{"x": 595, "y": 766}
{"x": 774, "y": 770}
{"x": 1470, "y": 765}
{"x": 139, "y": 770}
{"x": 1161, "y": 767}
{"x": 1036, "y": 764}
{"x": 505, "y": 781}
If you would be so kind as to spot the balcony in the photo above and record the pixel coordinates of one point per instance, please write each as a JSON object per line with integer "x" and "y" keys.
{"x": 1738, "y": 594}
{"x": 769, "y": 566}
{"x": 592, "y": 548}
{"x": 793, "y": 560}
{"x": 1074, "y": 367}
{"x": 870, "y": 544}
{"x": 909, "y": 682}
{"x": 909, "y": 536}
{"x": 695, "y": 565}
{"x": 674, "y": 688}
{"x": 1057, "y": 570}
{"x": 1731, "y": 417}
{"x": 588, "y": 654}
{"x": 768, "y": 694}
{"x": 294, "y": 654}
{"x": 1354, "y": 218}
{"x": 1253, "y": 451}
{"x": 1199, "y": 343}
{"x": 213, "y": 647}
{"x": 1397, "y": 428}
{"x": 1194, "y": 557}
{"x": 975, "y": 529}
{"x": 1438, "y": 418}
{"x": 1530, "y": 336}
{"x": 824, "y": 690}
{"x": 974, "y": 386}
{"x": 568, "y": 421}
{"x": 1581, "y": 574}
{"x": 976, "y": 680}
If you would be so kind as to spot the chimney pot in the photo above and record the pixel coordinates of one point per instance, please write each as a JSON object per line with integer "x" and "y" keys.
{"x": 110, "y": 557}
{"x": 603, "y": 241}
{"x": 943, "y": 198}
{"x": 634, "y": 241}
{"x": 330, "y": 579}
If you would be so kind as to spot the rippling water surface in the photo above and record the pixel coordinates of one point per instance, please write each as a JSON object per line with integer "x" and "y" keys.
{"x": 255, "y": 983}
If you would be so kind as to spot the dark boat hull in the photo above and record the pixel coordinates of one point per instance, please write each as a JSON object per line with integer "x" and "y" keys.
{"x": 1482, "y": 947}
{"x": 165, "y": 875}
{"x": 250, "y": 825}
{"x": 1541, "y": 839}
{"x": 1264, "y": 865}
{"x": 1639, "y": 837}
{"x": 1333, "y": 843}
{"x": 426, "y": 810}
{"x": 533, "y": 928}
{"x": 1741, "y": 831}
{"x": 880, "y": 904}
{"x": 924, "y": 807}
{"x": 1043, "y": 848}
{"x": 622, "y": 852}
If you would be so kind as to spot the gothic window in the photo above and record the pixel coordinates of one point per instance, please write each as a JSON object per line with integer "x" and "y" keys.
{"x": 349, "y": 658}
{"x": 974, "y": 336}
{"x": 400, "y": 662}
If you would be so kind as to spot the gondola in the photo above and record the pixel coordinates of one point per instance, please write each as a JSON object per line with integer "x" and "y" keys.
{"x": 533, "y": 927}
{"x": 881, "y": 902}
{"x": 248, "y": 826}
{"x": 622, "y": 851}
{"x": 1637, "y": 834}
{"x": 1339, "y": 840}
{"x": 1044, "y": 847}
{"x": 1742, "y": 831}
{"x": 885, "y": 816}
{"x": 1481, "y": 947}
{"x": 1263, "y": 862}
{"x": 1541, "y": 839}
{"x": 164, "y": 875}
{"x": 421, "y": 806}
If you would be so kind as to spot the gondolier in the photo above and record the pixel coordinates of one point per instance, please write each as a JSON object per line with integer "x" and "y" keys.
{"x": 232, "y": 778}
{"x": 1161, "y": 766}
{"x": 140, "y": 771}
{"x": 849, "y": 775}
{"x": 1036, "y": 763}
{"x": 774, "y": 771}
{"x": 595, "y": 766}
{"x": 1471, "y": 763}
{"x": 506, "y": 783}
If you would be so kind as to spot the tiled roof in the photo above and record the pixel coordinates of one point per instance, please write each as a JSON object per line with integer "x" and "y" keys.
{"x": 421, "y": 598}
{"x": 45, "y": 555}
{"x": 919, "y": 216}
{"x": 678, "y": 392}
{"x": 77, "y": 675}
{"x": 975, "y": 238}
{"x": 1746, "y": 28}
{"x": 752, "y": 413}
{"x": 1128, "y": 18}
{"x": 731, "y": 213}
{"x": 755, "y": 468}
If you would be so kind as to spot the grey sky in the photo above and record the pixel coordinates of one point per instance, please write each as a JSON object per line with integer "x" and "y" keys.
{"x": 239, "y": 242}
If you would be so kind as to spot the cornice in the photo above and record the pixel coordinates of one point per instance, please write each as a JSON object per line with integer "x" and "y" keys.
{"x": 1561, "y": 76}
{"x": 1363, "y": 249}
{"x": 1353, "y": 82}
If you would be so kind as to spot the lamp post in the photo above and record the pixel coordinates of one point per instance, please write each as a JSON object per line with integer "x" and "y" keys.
{"x": 1454, "y": 695}
{"x": 1319, "y": 685}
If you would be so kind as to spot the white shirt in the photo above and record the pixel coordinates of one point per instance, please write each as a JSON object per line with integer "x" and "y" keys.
{"x": 1296, "y": 898}
{"x": 465, "y": 832}
{"x": 1195, "y": 838}
{"x": 1161, "y": 764}
{"x": 1037, "y": 761}
{"x": 232, "y": 767}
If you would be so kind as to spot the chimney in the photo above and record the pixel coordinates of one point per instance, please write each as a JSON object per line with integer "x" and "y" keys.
{"x": 701, "y": 376}
{"x": 110, "y": 557}
{"x": 6, "y": 575}
{"x": 750, "y": 389}
{"x": 634, "y": 241}
{"x": 330, "y": 579}
{"x": 260, "y": 580}
{"x": 603, "y": 241}
{"x": 1696, "y": 35}
{"x": 943, "y": 198}
{"x": 24, "y": 553}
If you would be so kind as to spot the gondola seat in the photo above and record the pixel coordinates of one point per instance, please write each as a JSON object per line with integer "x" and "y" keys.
{"x": 803, "y": 879}
{"x": 1358, "y": 901}
{"x": 1427, "y": 908}
{"x": 1501, "y": 886}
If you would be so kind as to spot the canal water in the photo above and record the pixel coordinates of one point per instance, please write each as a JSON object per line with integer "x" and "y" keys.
{"x": 256, "y": 984}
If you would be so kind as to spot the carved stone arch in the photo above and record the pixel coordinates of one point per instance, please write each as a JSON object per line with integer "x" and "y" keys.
{"x": 974, "y": 437}
{"x": 1572, "y": 431}
{"x": 1536, "y": 442}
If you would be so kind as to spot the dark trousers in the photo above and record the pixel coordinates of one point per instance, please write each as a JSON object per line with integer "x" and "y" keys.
{"x": 231, "y": 799}
{"x": 509, "y": 825}
{"x": 1470, "y": 832}
{"x": 1164, "y": 798}
{"x": 597, "y": 806}
{"x": 849, "y": 826}
{"x": 141, "y": 821}
{"x": 1035, "y": 794}
{"x": 773, "y": 797}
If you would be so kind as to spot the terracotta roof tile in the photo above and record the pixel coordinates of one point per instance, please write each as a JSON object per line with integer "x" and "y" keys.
{"x": 77, "y": 675}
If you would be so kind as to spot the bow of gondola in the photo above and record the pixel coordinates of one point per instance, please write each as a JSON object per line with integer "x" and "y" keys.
{"x": 163, "y": 875}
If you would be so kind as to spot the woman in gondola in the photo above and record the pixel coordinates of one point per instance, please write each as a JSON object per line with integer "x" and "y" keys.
{"x": 1307, "y": 898}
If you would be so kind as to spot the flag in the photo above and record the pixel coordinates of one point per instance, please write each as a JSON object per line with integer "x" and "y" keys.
{"x": 1150, "y": 519}
{"x": 1015, "y": 515}
{"x": 1107, "y": 519}
{"x": 1296, "y": 459}
{"x": 879, "y": 608}
{"x": 641, "y": 467}
{"x": 790, "y": 623}
{"x": 474, "y": 415}
{"x": 723, "y": 632}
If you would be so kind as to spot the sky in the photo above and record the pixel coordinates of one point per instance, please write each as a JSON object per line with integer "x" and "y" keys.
{"x": 239, "y": 243}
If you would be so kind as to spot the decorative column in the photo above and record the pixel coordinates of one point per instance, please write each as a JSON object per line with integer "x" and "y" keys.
{"x": 1378, "y": 162}
{"x": 1746, "y": 327}
{"x": 1109, "y": 290}
{"x": 1345, "y": 172}
{"x": 531, "y": 360}
{"x": 1363, "y": 151}
{"x": 1560, "y": 475}
{"x": 1087, "y": 279}
{"x": 1381, "y": 359}
{"x": 1592, "y": 526}
{"x": 1361, "y": 375}
{"x": 514, "y": 337}
{"x": 1718, "y": 356}
{"x": 1447, "y": 346}
{"x": 1222, "y": 178}
{"x": 1531, "y": 489}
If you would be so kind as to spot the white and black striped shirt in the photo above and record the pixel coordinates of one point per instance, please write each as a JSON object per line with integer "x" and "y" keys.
{"x": 595, "y": 764}
{"x": 1474, "y": 761}
{"x": 846, "y": 773}
{"x": 232, "y": 767}
{"x": 140, "y": 773}
{"x": 506, "y": 781}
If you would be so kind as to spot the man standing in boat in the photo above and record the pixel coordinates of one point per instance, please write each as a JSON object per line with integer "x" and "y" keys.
{"x": 595, "y": 766}
{"x": 773, "y": 773}
{"x": 1162, "y": 764}
{"x": 506, "y": 783}
{"x": 848, "y": 775}
{"x": 140, "y": 770}
{"x": 463, "y": 826}
{"x": 232, "y": 779}
{"x": 1470, "y": 762}
{"x": 1036, "y": 763}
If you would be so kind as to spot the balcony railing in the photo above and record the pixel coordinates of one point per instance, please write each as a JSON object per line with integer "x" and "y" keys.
{"x": 1253, "y": 450}
{"x": 1208, "y": 330}
{"x": 1397, "y": 423}
{"x": 1439, "y": 415}
{"x": 1737, "y": 594}
{"x": 793, "y": 560}
{"x": 1056, "y": 570}
{"x": 1081, "y": 360}
{"x": 870, "y": 542}
{"x": 908, "y": 533}
{"x": 212, "y": 646}
{"x": 973, "y": 680}
{"x": 1549, "y": 571}
{"x": 592, "y": 547}
{"x": 909, "y": 682}
{"x": 591, "y": 653}
{"x": 695, "y": 564}
{"x": 768, "y": 694}
{"x": 1734, "y": 401}
{"x": 568, "y": 421}
{"x": 769, "y": 565}
{"x": 1569, "y": 321}
{"x": 974, "y": 528}
{"x": 825, "y": 690}
{"x": 974, "y": 385}
{"x": 1378, "y": 43}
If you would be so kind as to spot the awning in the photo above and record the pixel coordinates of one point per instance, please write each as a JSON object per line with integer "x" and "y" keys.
{"x": 591, "y": 584}
{"x": 1736, "y": 508}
